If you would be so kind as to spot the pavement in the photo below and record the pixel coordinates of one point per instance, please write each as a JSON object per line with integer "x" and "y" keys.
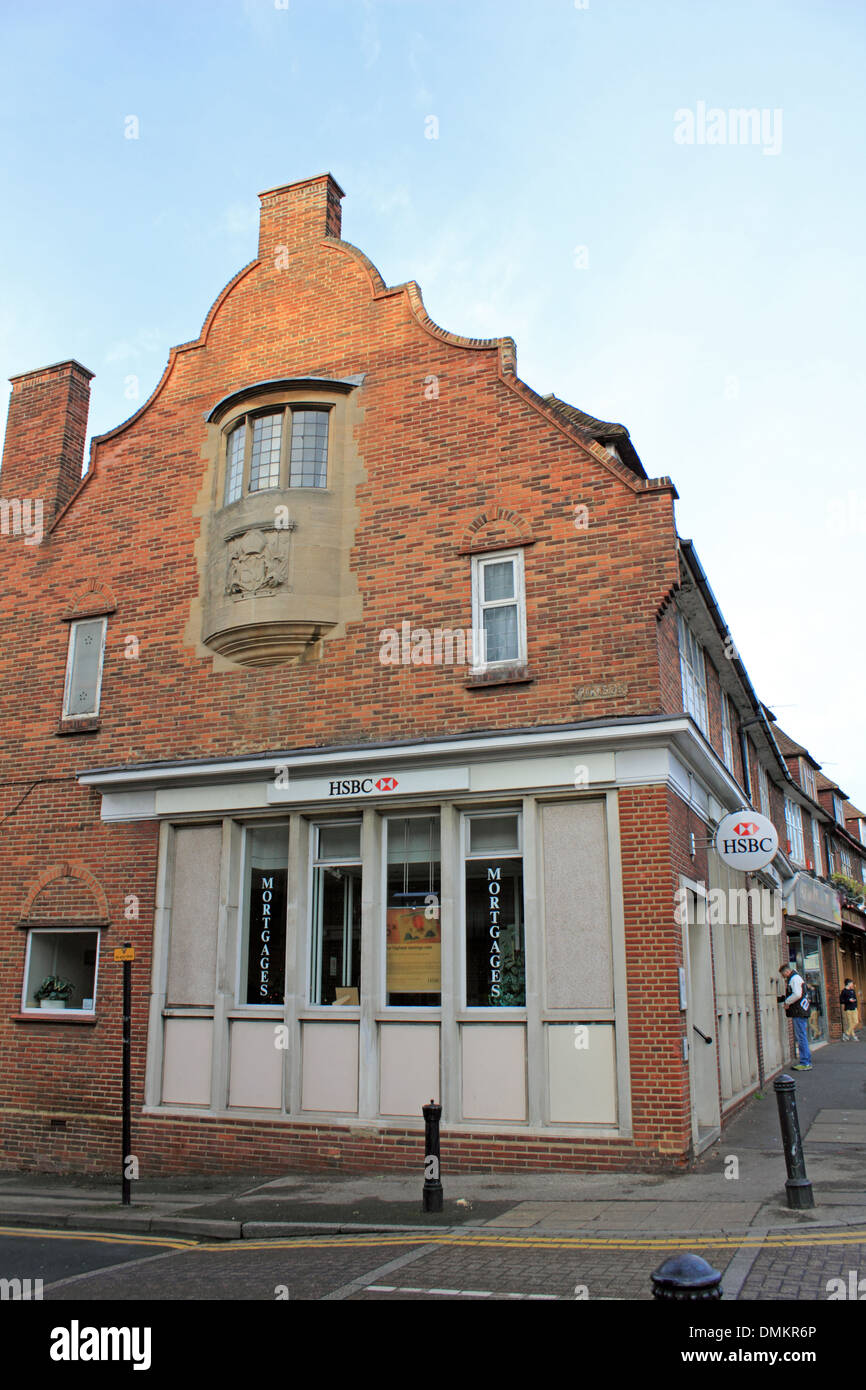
{"x": 736, "y": 1188}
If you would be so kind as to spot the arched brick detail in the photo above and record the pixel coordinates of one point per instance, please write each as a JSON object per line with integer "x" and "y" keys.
{"x": 92, "y": 599}
{"x": 65, "y": 892}
{"x": 496, "y": 528}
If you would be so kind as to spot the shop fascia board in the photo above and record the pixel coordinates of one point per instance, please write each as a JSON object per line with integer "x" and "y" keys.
{"x": 643, "y": 751}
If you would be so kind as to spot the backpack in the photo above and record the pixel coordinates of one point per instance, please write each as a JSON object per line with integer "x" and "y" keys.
{"x": 803, "y": 1004}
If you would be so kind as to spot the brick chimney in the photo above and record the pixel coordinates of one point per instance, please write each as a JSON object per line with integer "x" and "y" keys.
{"x": 46, "y": 429}
{"x": 299, "y": 213}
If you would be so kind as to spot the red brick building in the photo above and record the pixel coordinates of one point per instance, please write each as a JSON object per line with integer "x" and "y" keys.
{"x": 373, "y": 698}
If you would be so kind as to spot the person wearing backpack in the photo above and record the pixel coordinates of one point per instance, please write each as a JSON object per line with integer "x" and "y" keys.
{"x": 797, "y": 1003}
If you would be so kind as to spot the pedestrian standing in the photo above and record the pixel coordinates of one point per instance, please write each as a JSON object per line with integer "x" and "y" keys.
{"x": 848, "y": 1000}
{"x": 796, "y": 1001}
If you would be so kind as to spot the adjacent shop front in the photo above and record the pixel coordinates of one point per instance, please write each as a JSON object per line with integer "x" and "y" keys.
{"x": 814, "y": 924}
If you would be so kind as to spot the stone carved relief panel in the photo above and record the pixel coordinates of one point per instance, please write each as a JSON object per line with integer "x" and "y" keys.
{"x": 258, "y": 563}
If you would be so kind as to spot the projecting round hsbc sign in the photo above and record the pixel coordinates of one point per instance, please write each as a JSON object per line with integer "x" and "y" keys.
{"x": 745, "y": 840}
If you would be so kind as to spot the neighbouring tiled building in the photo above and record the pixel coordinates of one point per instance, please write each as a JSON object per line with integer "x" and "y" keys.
{"x": 373, "y": 698}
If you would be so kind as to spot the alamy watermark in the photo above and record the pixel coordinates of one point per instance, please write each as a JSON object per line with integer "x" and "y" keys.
{"x": 737, "y": 126}
{"x": 735, "y": 907}
{"x": 22, "y": 516}
{"x": 441, "y": 646}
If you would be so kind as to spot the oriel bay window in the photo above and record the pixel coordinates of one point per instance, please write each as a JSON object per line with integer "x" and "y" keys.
{"x": 335, "y": 966}
{"x": 413, "y": 943}
{"x": 263, "y": 955}
{"x": 279, "y": 448}
{"x": 495, "y": 954}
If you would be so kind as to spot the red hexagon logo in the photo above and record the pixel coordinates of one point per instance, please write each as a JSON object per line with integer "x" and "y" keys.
{"x": 745, "y": 827}
{"x": 386, "y": 784}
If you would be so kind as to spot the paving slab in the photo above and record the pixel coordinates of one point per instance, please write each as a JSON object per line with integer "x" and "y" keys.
{"x": 835, "y": 1134}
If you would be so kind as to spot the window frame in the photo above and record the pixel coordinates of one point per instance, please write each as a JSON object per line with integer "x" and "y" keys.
{"x": 410, "y": 813}
{"x": 479, "y": 604}
{"x": 244, "y": 420}
{"x": 489, "y": 1012}
{"x": 764, "y": 791}
{"x": 70, "y": 666}
{"x": 689, "y": 677}
{"x": 818, "y": 864}
{"x": 727, "y": 732}
{"x": 807, "y": 778}
{"x": 315, "y": 861}
{"x": 795, "y": 831}
{"x": 243, "y": 926}
{"x": 73, "y": 929}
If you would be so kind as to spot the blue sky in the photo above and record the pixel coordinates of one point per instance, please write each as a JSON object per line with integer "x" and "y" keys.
{"x": 716, "y": 308}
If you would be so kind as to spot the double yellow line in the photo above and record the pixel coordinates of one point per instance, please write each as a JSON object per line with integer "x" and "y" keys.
{"x": 478, "y": 1239}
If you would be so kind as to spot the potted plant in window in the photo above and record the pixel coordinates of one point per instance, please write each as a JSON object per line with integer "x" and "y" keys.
{"x": 54, "y": 992}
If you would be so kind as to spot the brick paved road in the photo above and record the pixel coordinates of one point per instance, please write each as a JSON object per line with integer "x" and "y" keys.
{"x": 434, "y": 1266}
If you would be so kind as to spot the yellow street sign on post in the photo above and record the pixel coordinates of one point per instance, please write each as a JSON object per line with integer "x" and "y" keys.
{"x": 124, "y": 953}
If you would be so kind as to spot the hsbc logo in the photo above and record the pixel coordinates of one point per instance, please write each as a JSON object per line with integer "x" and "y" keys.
{"x": 361, "y": 786}
{"x": 746, "y": 840}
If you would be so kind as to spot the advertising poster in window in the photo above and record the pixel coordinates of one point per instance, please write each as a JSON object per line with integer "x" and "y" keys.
{"x": 414, "y": 951}
{"x": 266, "y": 961}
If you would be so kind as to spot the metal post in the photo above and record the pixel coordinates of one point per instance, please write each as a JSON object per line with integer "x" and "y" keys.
{"x": 798, "y": 1187}
{"x": 126, "y": 1102}
{"x": 432, "y": 1195}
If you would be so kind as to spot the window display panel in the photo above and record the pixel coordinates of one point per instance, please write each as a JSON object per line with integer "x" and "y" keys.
{"x": 62, "y": 970}
{"x": 805, "y": 951}
{"x": 495, "y": 955}
{"x": 413, "y": 943}
{"x": 336, "y": 935}
{"x": 266, "y": 853}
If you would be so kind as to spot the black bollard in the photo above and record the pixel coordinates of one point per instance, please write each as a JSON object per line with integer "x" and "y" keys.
{"x": 431, "y": 1198}
{"x": 686, "y": 1277}
{"x": 798, "y": 1186}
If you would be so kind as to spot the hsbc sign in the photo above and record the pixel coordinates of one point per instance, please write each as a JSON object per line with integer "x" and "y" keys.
{"x": 746, "y": 840}
{"x": 375, "y": 786}
{"x": 361, "y": 786}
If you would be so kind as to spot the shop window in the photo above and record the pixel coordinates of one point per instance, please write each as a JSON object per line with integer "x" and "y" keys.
{"x": 277, "y": 449}
{"x": 263, "y": 957}
{"x": 413, "y": 947}
{"x": 499, "y": 608}
{"x": 61, "y": 969}
{"x": 84, "y": 668}
{"x": 335, "y": 967}
{"x": 495, "y": 952}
